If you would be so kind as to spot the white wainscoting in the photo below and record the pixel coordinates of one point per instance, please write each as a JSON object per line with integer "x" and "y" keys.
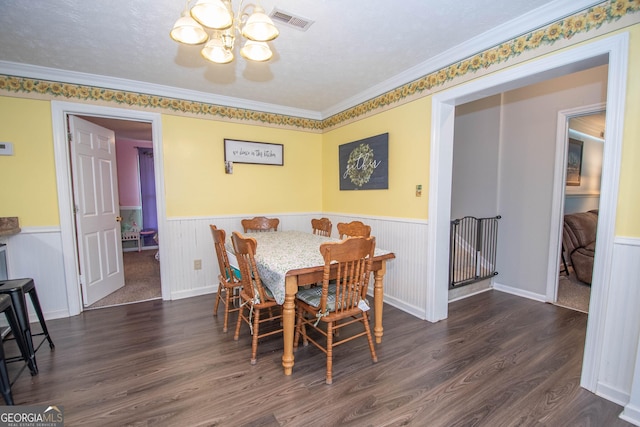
{"x": 631, "y": 411}
{"x": 189, "y": 239}
{"x": 405, "y": 282}
{"x": 622, "y": 325}
{"x": 37, "y": 253}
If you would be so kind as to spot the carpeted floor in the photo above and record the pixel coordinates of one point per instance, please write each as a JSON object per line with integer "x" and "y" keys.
{"x": 573, "y": 293}
{"x": 141, "y": 277}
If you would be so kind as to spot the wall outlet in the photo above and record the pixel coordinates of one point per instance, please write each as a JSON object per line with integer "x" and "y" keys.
{"x": 197, "y": 264}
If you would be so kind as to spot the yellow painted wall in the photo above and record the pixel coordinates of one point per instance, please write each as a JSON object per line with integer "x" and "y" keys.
{"x": 28, "y": 178}
{"x": 409, "y": 127}
{"x": 409, "y": 139}
{"x": 628, "y": 218}
{"x": 197, "y": 185}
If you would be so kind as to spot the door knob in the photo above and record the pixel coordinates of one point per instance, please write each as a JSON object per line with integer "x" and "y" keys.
{"x": 119, "y": 218}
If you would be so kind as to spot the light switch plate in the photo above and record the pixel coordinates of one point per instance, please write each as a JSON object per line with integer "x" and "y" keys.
{"x": 6, "y": 149}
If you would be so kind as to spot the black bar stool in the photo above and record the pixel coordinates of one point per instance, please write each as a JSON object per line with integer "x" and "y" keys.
{"x": 6, "y": 307}
{"x": 17, "y": 289}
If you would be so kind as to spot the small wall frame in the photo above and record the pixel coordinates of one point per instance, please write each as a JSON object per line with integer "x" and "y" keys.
{"x": 261, "y": 153}
{"x": 574, "y": 162}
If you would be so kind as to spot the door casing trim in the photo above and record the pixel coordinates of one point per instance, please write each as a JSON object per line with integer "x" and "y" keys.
{"x": 59, "y": 112}
{"x": 613, "y": 50}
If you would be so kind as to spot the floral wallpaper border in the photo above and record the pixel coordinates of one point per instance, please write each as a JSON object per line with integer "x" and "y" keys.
{"x": 583, "y": 22}
{"x": 567, "y": 28}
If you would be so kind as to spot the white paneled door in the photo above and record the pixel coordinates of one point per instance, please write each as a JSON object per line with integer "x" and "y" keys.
{"x": 95, "y": 191}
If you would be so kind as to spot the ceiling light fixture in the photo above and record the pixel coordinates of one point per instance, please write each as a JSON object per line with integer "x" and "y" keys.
{"x": 214, "y": 22}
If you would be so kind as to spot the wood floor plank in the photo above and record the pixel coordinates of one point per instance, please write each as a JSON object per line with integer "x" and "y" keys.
{"x": 497, "y": 360}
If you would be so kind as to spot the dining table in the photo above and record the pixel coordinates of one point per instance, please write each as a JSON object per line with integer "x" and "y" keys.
{"x": 287, "y": 260}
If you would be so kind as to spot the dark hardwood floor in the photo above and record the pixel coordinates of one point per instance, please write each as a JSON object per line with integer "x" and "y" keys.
{"x": 498, "y": 360}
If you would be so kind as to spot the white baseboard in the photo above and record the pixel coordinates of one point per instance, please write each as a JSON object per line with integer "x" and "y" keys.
{"x": 50, "y": 315}
{"x": 631, "y": 414}
{"x": 612, "y": 394}
{"x": 519, "y": 292}
{"x": 193, "y": 292}
{"x": 33, "y": 318}
{"x": 461, "y": 297}
{"x": 418, "y": 312}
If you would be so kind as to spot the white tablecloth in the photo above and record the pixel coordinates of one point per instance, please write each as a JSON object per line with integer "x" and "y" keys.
{"x": 281, "y": 251}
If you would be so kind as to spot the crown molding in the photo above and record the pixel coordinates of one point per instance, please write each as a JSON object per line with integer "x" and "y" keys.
{"x": 577, "y": 133}
{"x": 528, "y": 22}
{"x": 540, "y": 17}
{"x": 74, "y": 77}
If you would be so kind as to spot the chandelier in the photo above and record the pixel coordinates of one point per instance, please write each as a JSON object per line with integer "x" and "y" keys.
{"x": 214, "y": 23}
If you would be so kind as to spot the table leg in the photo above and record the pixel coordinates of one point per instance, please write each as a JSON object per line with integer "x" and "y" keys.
{"x": 289, "y": 322}
{"x": 378, "y": 295}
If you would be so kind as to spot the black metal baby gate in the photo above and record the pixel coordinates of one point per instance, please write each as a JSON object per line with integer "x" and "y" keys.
{"x": 472, "y": 254}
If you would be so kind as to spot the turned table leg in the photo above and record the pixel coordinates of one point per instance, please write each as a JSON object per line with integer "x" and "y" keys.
{"x": 289, "y": 323}
{"x": 378, "y": 295}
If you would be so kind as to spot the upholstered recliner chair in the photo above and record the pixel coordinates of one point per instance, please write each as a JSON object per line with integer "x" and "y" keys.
{"x": 579, "y": 241}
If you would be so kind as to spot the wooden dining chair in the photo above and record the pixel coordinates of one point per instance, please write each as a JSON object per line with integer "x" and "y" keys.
{"x": 257, "y": 300}
{"x": 340, "y": 303}
{"x": 353, "y": 229}
{"x": 229, "y": 284}
{"x": 260, "y": 223}
{"x": 322, "y": 226}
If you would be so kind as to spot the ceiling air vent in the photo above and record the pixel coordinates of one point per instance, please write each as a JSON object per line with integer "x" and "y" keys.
{"x": 290, "y": 20}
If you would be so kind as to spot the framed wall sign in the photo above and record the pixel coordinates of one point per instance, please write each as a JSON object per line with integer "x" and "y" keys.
{"x": 574, "y": 162}
{"x": 253, "y": 152}
{"x": 364, "y": 164}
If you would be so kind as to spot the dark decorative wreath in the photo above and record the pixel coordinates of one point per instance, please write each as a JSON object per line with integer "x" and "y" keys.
{"x": 360, "y": 164}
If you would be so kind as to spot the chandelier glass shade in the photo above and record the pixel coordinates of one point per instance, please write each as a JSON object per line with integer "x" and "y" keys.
{"x": 214, "y": 23}
{"x": 256, "y": 51}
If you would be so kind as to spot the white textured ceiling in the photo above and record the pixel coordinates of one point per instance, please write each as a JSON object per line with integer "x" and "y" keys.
{"x": 354, "y": 48}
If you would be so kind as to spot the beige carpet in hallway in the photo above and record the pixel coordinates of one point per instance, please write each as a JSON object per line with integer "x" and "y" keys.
{"x": 573, "y": 293}
{"x": 142, "y": 280}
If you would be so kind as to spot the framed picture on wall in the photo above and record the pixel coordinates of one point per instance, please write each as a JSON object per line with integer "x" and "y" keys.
{"x": 261, "y": 153}
{"x": 574, "y": 162}
{"x": 364, "y": 164}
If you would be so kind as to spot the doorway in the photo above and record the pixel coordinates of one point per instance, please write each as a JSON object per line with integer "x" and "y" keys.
{"x": 612, "y": 51}
{"x": 60, "y": 112}
{"x": 95, "y": 202}
{"x": 138, "y": 212}
{"x": 583, "y": 144}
